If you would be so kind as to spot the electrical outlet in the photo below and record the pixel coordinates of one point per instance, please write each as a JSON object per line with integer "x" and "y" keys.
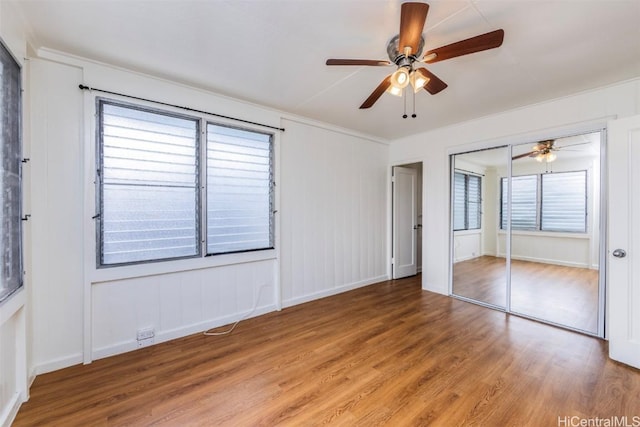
{"x": 145, "y": 337}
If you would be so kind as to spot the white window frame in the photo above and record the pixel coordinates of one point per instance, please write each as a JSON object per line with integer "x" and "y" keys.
{"x": 202, "y": 259}
{"x": 540, "y": 205}
{"x": 17, "y": 265}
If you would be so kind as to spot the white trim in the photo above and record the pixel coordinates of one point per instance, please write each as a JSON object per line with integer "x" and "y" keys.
{"x": 10, "y": 411}
{"x": 547, "y": 261}
{"x": 109, "y": 274}
{"x": 529, "y": 136}
{"x": 554, "y": 234}
{"x": 183, "y": 331}
{"x": 59, "y": 363}
{"x": 12, "y": 305}
{"x": 334, "y": 291}
{"x": 315, "y": 123}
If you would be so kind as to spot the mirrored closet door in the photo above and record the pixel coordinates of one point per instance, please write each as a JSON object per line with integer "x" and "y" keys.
{"x": 534, "y": 248}
{"x": 479, "y": 270}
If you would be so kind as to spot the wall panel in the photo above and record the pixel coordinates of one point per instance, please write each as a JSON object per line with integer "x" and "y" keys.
{"x": 333, "y": 203}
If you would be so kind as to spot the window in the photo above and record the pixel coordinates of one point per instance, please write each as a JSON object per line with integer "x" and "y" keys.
{"x": 239, "y": 196}
{"x": 547, "y": 202}
{"x": 564, "y": 202}
{"x": 150, "y": 193}
{"x": 149, "y": 177}
{"x": 466, "y": 201}
{"x": 524, "y": 199}
{"x": 10, "y": 174}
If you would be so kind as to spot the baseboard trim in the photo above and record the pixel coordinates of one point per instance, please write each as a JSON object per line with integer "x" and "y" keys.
{"x": 183, "y": 331}
{"x": 60, "y": 363}
{"x": 10, "y": 411}
{"x": 333, "y": 291}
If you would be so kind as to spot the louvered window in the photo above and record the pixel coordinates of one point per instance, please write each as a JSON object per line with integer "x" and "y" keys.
{"x": 150, "y": 198}
{"x": 466, "y": 201}
{"x": 564, "y": 202}
{"x": 10, "y": 175}
{"x": 524, "y": 199}
{"x": 547, "y": 202}
{"x": 239, "y": 196}
{"x": 149, "y": 185}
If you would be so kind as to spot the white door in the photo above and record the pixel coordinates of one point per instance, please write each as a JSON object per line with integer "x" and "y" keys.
{"x": 405, "y": 230}
{"x": 624, "y": 240}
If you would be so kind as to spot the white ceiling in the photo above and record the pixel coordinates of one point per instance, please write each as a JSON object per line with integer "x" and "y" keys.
{"x": 273, "y": 52}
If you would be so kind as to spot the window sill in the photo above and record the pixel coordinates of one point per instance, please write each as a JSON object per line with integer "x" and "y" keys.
{"x": 554, "y": 234}
{"x": 166, "y": 267}
{"x": 467, "y": 232}
{"x": 12, "y": 305}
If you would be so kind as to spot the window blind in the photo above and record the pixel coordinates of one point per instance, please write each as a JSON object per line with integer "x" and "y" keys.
{"x": 239, "y": 190}
{"x": 564, "y": 202}
{"x": 466, "y": 201}
{"x": 524, "y": 202}
{"x": 149, "y": 174}
{"x": 11, "y": 276}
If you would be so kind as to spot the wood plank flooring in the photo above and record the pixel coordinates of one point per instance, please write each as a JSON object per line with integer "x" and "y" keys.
{"x": 387, "y": 354}
{"x": 564, "y": 295}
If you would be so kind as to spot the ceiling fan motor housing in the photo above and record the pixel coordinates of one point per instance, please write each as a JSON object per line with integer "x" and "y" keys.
{"x": 397, "y": 56}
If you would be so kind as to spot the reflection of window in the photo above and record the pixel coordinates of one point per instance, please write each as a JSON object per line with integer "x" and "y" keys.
{"x": 150, "y": 194}
{"x": 466, "y": 201}
{"x": 547, "y": 202}
{"x": 10, "y": 165}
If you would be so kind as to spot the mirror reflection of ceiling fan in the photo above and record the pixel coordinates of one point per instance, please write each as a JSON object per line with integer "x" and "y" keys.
{"x": 543, "y": 151}
{"x": 405, "y": 52}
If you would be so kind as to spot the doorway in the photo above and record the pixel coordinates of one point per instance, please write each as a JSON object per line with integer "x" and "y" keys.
{"x": 526, "y": 230}
{"x": 406, "y": 218}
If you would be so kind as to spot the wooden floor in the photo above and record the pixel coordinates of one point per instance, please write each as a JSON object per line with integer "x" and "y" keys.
{"x": 563, "y": 295}
{"x": 387, "y": 354}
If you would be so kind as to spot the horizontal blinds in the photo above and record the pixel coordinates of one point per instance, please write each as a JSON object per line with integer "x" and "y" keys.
{"x": 239, "y": 197}
{"x": 149, "y": 185}
{"x": 11, "y": 271}
{"x": 473, "y": 202}
{"x": 564, "y": 202}
{"x": 524, "y": 196}
{"x": 459, "y": 201}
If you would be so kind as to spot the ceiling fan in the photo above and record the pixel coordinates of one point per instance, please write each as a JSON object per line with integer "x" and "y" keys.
{"x": 405, "y": 51}
{"x": 544, "y": 151}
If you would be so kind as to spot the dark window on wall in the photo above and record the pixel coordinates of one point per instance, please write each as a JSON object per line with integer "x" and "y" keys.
{"x": 467, "y": 202}
{"x": 547, "y": 202}
{"x": 151, "y": 200}
{"x": 11, "y": 274}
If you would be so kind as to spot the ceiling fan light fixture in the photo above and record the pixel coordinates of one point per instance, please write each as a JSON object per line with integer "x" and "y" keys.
{"x": 546, "y": 157}
{"x": 395, "y": 90}
{"x": 400, "y": 78}
{"x": 418, "y": 80}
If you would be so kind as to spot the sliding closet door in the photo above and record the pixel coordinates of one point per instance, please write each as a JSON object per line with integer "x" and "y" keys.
{"x": 479, "y": 269}
{"x": 555, "y": 230}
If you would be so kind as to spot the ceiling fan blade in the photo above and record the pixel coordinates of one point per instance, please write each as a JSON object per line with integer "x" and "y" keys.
{"x": 520, "y": 156}
{"x": 464, "y": 47}
{"x": 434, "y": 85}
{"x": 572, "y": 145}
{"x": 377, "y": 93}
{"x": 412, "y": 19}
{"x": 370, "y": 62}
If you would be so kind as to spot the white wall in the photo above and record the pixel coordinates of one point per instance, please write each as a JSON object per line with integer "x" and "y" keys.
{"x": 582, "y": 112}
{"x": 331, "y": 196}
{"x": 333, "y": 212}
{"x": 13, "y": 311}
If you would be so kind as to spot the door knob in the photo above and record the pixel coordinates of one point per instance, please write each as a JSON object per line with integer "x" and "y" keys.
{"x": 619, "y": 253}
